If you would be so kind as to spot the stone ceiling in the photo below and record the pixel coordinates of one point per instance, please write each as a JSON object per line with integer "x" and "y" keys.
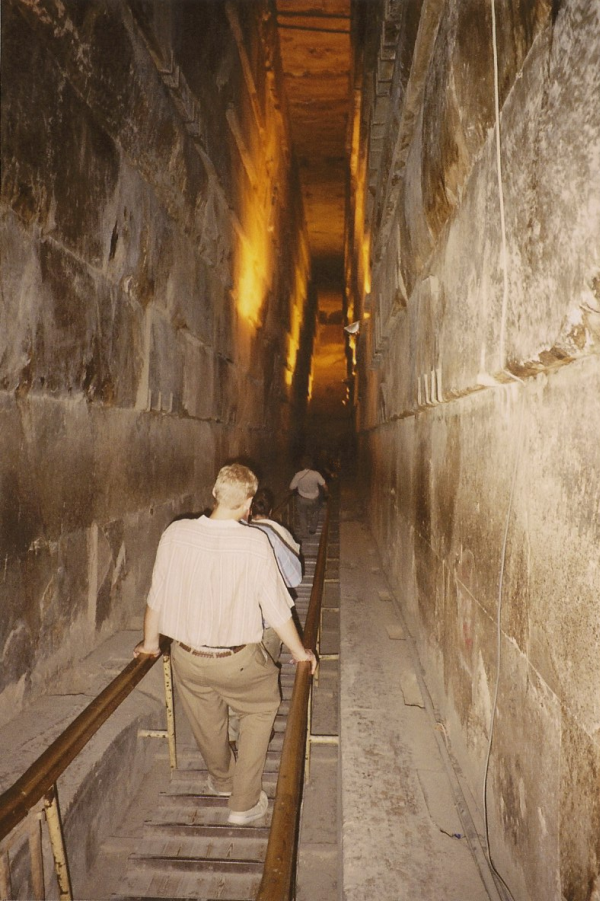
{"x": 315, "y": 49}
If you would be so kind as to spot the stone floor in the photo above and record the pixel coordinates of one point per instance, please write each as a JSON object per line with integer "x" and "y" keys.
{"x": 402, "y": 835}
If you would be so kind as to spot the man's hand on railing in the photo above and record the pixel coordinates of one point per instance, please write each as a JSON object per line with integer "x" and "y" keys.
{"x": 140, "y": 650}
{"x": 308, "y": 656}
{"x": 289, "y": 636}
{"x": 149, "y": 646}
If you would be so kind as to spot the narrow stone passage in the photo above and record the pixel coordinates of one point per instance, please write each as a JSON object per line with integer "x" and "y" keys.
{"x": 383, "y": 817}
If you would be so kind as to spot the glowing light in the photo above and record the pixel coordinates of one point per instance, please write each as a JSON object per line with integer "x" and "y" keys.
{"x": 297, "y": 303}
{"x": 257, "y": 211}
{"x": 362, "y": 240}
{"x": 353, "y": 343}
{"x": 262, "y": 194}
{"x": 366, "y": 262}
{"x": 250, "y": 282}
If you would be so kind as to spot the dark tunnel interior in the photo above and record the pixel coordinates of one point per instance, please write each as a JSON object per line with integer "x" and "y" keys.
{"x": 363, "y": 229}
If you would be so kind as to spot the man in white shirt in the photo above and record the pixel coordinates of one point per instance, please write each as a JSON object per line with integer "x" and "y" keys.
{"x": 308, "y": 483}
{"x": 213, "y": 581}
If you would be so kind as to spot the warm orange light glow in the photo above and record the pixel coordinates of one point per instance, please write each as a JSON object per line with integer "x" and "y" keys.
{"x": 258, "y": 194}
{"x": 355, "y": 145}
{"x": 292, "y": 357}
{"x": 353, "y": 344}
{"x": 366, "y": 262}
{"x": 361, "y": 283}
{"x": 265, "y": 197}
{"x": 251, "y": 278}
{"x": 297, "y": 303}
{"x": 293, "y": 342}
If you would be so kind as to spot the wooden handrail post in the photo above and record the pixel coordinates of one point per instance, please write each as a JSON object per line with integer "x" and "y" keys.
{"x": 171, "y": 735}
{"x": 36, "y": 855}
{"x": 61, "y": 864}
{"x": 5, "y": 880}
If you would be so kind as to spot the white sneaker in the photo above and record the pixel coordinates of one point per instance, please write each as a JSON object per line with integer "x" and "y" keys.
{"x": 241, "y": 817}
{"x": 214, "y": 790}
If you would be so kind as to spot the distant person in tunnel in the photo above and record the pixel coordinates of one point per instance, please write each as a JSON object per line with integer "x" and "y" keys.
{"x": 213, "y": 581}
{"x": 310, "y": 484}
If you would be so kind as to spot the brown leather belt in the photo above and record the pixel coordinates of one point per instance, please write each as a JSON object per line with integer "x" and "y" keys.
{"x": 219, "y": 652}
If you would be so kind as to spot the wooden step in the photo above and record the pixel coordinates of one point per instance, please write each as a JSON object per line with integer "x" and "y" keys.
{"x": 163, "y": 863}
{"x": 192, "y": 783}
{"x": 195, "y": 830}
{"x": 145, "y": 882}
{"x": 162, "y": 843}
{"x": 200, "y": 815}
{"x": 191, "y": 759}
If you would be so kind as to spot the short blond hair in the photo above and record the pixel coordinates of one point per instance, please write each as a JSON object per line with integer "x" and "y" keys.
{"x": 235, "y": 484}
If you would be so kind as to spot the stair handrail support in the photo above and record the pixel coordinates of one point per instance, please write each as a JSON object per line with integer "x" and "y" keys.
{"x": 278, "y": 875}
{"x": 38, "y": 784}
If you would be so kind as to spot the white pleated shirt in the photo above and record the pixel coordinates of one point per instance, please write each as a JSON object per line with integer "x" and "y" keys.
{"x": 307, "y": 482}
{"x": 213, "y": 582}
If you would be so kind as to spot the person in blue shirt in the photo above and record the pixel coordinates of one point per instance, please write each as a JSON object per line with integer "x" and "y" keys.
{"x": 287, "y": 556}
{"x": 285, "y": 548}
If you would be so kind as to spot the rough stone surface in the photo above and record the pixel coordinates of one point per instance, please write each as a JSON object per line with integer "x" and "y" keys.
{"x": 147, "y": 191}
{"x": 484, "y": 489}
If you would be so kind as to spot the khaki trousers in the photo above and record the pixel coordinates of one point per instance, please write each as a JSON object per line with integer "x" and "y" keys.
{"x": 308, "y": 514}
{"x": 248, "y": 683}
{"x": 272, "y": 645}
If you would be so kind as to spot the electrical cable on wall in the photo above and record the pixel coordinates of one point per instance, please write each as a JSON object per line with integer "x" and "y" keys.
{"x": 500, "y": 193}
{"x": 499, "y": 637}
{"x": 517, "y": 452}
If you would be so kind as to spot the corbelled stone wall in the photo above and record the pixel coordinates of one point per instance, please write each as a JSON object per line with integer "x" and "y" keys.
{"x": 155, "y": 316}
{"x": 478, "y": 402}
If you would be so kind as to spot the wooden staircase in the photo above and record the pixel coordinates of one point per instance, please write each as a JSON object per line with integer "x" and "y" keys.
{"x": 188, "y": 850}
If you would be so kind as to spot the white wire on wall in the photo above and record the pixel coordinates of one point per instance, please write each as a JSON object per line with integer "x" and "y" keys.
{"x": 504, "y": 261}
{"x": 519, "y": 445}
{"x": 502, "y": 341}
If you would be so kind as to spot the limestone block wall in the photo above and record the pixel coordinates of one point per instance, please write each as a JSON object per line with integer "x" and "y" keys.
{"x": 479, "y": 408}
{"x": 150, "y": 299}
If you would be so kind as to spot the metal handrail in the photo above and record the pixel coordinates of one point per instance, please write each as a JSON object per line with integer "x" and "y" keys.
{"x": 36, "y": 788}
{"x": 19, "y": 799}
{"x": 278, "y": 874}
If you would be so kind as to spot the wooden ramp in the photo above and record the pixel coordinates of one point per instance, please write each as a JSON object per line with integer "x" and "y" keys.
{"x": 188, "y": 850}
